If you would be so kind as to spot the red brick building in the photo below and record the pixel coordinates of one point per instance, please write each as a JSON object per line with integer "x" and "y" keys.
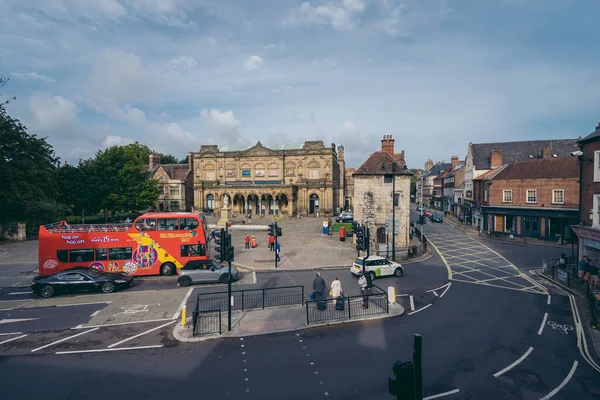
{"x": 588, "y": 230}
{"x": 535, "y": 198}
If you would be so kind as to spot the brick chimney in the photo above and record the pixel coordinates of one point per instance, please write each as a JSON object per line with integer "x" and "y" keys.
{"x": 387, "y": 144}
{"x": 546, "y": 153}
{"x": 496, "y": 158}
{"x": 154, "y": 160}
{"x": 340, "y": 153}
{"x": 455, "y": 161}
{"x": 428, "y": 164}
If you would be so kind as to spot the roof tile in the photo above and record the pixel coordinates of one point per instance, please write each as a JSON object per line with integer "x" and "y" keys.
{"x": 373, "y": 165}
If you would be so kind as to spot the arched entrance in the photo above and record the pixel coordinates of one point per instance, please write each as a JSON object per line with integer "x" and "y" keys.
{"x": 210, "y": 202}
{"x": 239, "y": 204}
{"x": 281, "y": 204}
{"x": 267, "y": 204}
{"x": 161, "y": 207}
{"x": 252, "y": 204}
{"x": 313, "y": 203}
{"x": 381, "y": 236}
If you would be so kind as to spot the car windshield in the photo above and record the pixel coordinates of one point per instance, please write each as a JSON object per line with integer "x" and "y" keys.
{"x": 93, "y": 272}
{"x": 358, "y": 261}
{"x": 216, "y": 265}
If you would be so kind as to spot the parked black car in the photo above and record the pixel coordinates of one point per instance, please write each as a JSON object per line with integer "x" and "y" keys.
{"x": 345, "y": 217}
{"x": 436, "y": 217}
{"x": 80, "y": 279}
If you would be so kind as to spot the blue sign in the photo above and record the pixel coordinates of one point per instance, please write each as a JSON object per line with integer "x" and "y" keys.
{"x": 238, "y": 183}
{"x": 267, "y": 182}
{"x": 246, "y": 172}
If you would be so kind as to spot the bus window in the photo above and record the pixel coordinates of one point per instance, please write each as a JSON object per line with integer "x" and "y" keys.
{"x": 81, "y": 255}
{"x": 101, "y": 254}
{"x": 167, "y": 224}
{"x": 120, "y": 253}
{"x": 62, "y": 255}
{"x": 188, "y": 224}
{"x": 192, "y": 250}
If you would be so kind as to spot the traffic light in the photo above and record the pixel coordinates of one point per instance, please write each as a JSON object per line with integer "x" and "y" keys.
{"x": 272, "y": 229}
{"x": 279, "y": 231}
{"x": 230, "y": 253}
{"x": 403, "y": 384}
{"x": 355, "y": 226}
{"x": 422, "y": 220}
{"x": 220, "y": 241}
{"x": 359, "y": 238}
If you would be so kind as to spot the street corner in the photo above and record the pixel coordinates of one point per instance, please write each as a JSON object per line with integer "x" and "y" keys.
{"x": 135, "y": 307}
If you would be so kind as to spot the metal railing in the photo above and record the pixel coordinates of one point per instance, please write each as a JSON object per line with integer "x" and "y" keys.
{"x": 505, "y": 236}
{"x": 374, "y": 303}
{"x": 206, "y": 322}
{"x": 252, "y": 299}
{"x": 567, "y": 275}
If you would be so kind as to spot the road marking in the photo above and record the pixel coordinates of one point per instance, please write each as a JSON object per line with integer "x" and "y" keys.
{"x": 83, "y": 304}
{"x": 11, "y": 321}
{"x": 10, "y": 333}
{"x": 254, "y": 277}
{"x": 511, "y": 366}
{"x": 156, "y": 346}
{"x": 15, "y": 338}
{"x": 563, "y": 383}
{"x": 437, "y": 396}
{"x": 435, "y": 293}
{"x": 438, "y": 288}
{"x": 581, "y": 335}
{"x": 549, "y": 297}
{"x": 140, "y": 334}
{"x": 183, "y": 303}
{"x": 132, "y": 309}
{"x": 412, "y": 303}
{"x": 420, "y": 309}
{"x": 82, "y": 326}
{"x": 95, "y": 313}
{"x": 16, "y": 293}
{"x": 448, "y": 287}
{"x": 564, "y": 329}
{"x": 63, "y": 340}
{"x": 6, "y": 309}
{"x": 543, "y": 324}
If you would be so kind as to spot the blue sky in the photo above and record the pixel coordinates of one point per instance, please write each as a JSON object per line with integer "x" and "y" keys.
{"x": 176, "y": 74}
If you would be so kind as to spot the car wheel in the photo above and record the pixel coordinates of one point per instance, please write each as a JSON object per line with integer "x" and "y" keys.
{"x": 372, "y": 275}
{"x": 224, "y": 278}
{"x": 108, "y": 287}
{"x": 398, "y": 272}
{"x": 185, "y": 281}
{"x": 47, "y": 291}
{"x": 167, "y": 269}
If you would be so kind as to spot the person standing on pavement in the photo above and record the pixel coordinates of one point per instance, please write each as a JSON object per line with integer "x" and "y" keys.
{"x": 247, "y": 241}
{"x": 271, "y": 242}
{"x": 562, "y": 261}
{"x": 254, "y": 242}
{"x": 277, "y": 251}
{"x": 319, "y": 286}
{"x": 364, "y": 288}
{"x": 336, "y": 288}
{"x": 581, "y": 266}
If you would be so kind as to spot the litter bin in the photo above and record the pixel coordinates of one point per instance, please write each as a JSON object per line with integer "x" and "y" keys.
{"x": 342, "y": 233}
{"x": 412, "y": 251}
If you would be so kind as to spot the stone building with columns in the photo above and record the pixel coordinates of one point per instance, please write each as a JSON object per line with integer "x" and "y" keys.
{"x": 290, "y": 179}
{"x": 381, "y": 189}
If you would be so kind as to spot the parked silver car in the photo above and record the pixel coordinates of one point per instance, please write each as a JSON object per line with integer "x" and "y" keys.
{"x": 205, "y": 272}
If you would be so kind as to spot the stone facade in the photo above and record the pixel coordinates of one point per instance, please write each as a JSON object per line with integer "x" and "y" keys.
{"x": 348, "y": 189}
{"x": 174, "y": 185}
{"x": 288, "y": 179}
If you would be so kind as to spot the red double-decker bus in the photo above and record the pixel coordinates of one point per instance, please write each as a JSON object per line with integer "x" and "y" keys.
{"x": 156, "y": 243}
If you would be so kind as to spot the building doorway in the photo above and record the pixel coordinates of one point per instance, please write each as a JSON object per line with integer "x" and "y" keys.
{"x": 531, "y": 226}
{"x": 313, "y": 204}
{"x": 381, "y": 236}
{"x": 161, "y": 207}
{"x": 210, "y": 202}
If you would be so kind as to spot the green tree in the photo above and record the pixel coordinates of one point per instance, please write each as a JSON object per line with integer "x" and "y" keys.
{"x": 413, "y": 182}
{"x": 184, "y": 160}
{"x": 167, "y": 159}
{"x": 27, "y": 164}
{"x": 76, "y": 189}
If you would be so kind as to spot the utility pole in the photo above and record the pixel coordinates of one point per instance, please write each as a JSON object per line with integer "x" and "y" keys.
{"x": 421, "y": 216}
{"x": 417, "y": 346}
{"x": 394, "y": 211}
{"x": 276, "y": 232}
{"x": 227, "y": 244}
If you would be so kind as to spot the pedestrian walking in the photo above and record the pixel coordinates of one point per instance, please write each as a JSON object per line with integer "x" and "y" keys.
{"x": 249, "y": 219}
{"x": 562, "y": 261}
{"x": 411, "y": 231}
{"x": 271, "y": 242}
{"x": 212, "y": 236}
{"x": 364, "y": 288}
{"x": 581, "y": 266}
{"x": 247, "y": 241}
{"x": 278, "y": 250}
{"x": 319, "y": 286}
{"x": 253, "y": 242}
{"x": 336, "y": 288}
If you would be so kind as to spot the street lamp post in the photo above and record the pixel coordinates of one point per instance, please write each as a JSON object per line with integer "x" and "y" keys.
{"x": 393, "y": 211}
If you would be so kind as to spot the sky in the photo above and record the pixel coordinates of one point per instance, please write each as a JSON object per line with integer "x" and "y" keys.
{"x": 178, "y": 74}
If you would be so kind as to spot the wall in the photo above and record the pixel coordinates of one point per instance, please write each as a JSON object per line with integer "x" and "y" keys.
{"x": 589, "y": 187}
{"x": 13, "y": 232}
{"x": 544, "y": 189}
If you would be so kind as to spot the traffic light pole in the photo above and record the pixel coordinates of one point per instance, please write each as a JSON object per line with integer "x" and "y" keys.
{"x": 418, "y": 367}
{"x": 275, "y": 232}
{"x": 393, "y": 211}
{"x": 227, "y": 244}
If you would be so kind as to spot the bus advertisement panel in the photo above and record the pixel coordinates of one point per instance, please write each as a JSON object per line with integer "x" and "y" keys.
{"x": 156, "y": 243}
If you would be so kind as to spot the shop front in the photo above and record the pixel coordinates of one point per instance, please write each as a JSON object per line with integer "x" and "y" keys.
{"x": 538, "y": 223}
{"x": 589, "y": 242}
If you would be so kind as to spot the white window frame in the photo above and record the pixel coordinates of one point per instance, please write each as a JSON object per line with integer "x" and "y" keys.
{"x": 554, "y": 191}
{"x": 527, "y": 196}
{"x": 596, "y": 212}
{"x": 504, "y": 197}
{"x": 597, "y": 166}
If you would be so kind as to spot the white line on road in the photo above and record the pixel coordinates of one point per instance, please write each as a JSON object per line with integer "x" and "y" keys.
{"x": 83, "y": 304}
{"x": 62, "y": 340}
{"x": 549, "y": 297}
{"x": 563, "y": 383}
{"x": 82, "y": 326}
{"x": 156, "y": 346}
{"x": 183, "y": 303}
{"x": 10, "y": 333}
{"x": 254, "y": 277}
{"x": 420, "y": 309}
{"x": 13, "y": 320}
{"x": 412, "y": 303}
{"x": 437, "y": 396}
{"x": 435, "y": 293}
{"x": 543, "y": 324}
{"x": 15, "y": 293}
{"x": 92, "y": 315}
{"x": 6, "y": 309}
{"x": 438, "y": 288}
{"x": 448, "y": 287}
{"x": 140, "y": 334}
{"x": 511, "y": 366}
{"x": 15, "y": 338}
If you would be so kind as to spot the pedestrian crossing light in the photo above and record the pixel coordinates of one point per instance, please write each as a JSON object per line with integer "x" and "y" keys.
{"x": 279, "y": 231}
{"x": 359, "y": 239}
{"x": 272, "y": 229}
{"x": 220, "y": 241}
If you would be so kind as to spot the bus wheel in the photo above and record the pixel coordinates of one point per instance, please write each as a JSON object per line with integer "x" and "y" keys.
{"x": 167, "y": 269}
{"x": 47, "y": 291}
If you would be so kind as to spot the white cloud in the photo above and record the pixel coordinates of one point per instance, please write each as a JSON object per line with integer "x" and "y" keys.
{"x": 253, "y": 63}
{"x": 168, "y": 12}
{"x": 183, "y": 60}
{"x": 95, "y": 11}
{"x": 223, "y": 124}
{"x": 114, "y": 140}
{"x": 32, "y": 76}
{"x": 52, "y": 114}
{"x": 341, "y": 16}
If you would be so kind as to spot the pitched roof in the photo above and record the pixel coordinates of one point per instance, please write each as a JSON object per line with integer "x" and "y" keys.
{"x": 373, "y": 165}
{"x": 491, "y": 174}
{"x": 592, "y": 136}
{"x": 290, "y": 146}
{"x": 566, "y": 167}
{"x": 437, "y": 168}
{"x": 519, "y": 151}
{"x": 174, "y": 171}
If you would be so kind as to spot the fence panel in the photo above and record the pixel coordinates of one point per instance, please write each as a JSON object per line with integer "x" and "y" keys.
{"x": 252, "y": 299}
{"x": 375, "y": 303}
{"x": 566, "y": 276}
{"x": 207, "y": 322}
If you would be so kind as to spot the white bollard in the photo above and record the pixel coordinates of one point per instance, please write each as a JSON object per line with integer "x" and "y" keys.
{"x": 391, "y": 294}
